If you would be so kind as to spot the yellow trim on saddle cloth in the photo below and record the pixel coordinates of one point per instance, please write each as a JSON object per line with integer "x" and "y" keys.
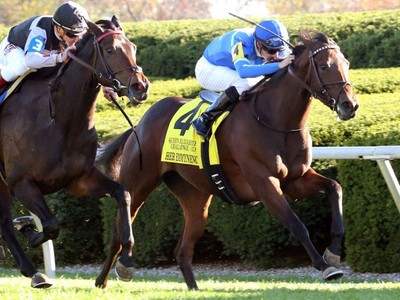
{"x": 182, "y": 145}
{"x": 16, "y": 83}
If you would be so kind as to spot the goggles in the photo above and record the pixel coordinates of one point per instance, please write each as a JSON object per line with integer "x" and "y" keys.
{"x": 270, "y": 50}
{"x": 71, "y": 35}
{"x": 272, "y": 45}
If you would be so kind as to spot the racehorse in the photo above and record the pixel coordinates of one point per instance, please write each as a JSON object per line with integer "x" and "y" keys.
{"x": 265, "y": 152}
{"x": 48, "y": 140}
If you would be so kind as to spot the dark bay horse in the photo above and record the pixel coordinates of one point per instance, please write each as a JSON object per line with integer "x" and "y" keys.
{"x": 48, "y": 140}
{"x": 265, "y": 151}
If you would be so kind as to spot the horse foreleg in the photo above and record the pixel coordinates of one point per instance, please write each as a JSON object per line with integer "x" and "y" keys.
{"x": 312, "y": 183}
{"x": 277, "y": 204}
{"x": 32, "y": 199}
{"x": 7, "y": 233}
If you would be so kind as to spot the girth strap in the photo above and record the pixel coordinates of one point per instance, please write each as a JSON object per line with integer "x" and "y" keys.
{"x": 218, "y": 180}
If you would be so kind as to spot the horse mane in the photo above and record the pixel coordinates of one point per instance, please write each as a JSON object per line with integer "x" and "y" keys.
{"x": 105, "y": 24}
{"x": 306, "y": 37}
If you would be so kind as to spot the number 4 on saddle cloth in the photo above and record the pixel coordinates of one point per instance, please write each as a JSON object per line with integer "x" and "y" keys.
{"x": 182, "y": 145}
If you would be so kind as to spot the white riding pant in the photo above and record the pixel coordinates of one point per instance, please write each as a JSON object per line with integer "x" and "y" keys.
{"x": 219, "y": 78}
{"x": 11, "y": 61}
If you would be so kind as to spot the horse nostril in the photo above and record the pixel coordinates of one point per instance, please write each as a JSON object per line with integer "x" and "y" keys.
{"x": 347, "y": 104}
{"x": 138, "y": 86}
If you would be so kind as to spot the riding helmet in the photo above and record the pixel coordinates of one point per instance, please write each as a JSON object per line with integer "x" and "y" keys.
{"x": 268, "y": 39}
{"x": 71, "y": 17}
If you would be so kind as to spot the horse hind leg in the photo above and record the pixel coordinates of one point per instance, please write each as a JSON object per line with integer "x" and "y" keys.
{"x": 114, "y": 249}
{"x": 124, "y": 272}
{"x": 194, "y": 204}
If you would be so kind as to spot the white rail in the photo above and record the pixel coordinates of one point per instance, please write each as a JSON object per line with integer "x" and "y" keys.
{"x": 381, "y": 154}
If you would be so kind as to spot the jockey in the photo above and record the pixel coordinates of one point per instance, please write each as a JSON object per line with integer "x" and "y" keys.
{"x": 236, "y": 61}
{"x": 41, "y": 41}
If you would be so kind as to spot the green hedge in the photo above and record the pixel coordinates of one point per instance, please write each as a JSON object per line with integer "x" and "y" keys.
{"x": 172, "y": 48}
{"x": 371, "y": 217}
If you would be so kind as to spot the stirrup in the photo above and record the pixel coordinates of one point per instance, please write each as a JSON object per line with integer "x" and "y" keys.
{"x": 22, "y": 223}
{"x": 209, "y": 96}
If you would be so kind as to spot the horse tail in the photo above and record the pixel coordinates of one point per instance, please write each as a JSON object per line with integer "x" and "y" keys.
{"x": 109, "y": 155}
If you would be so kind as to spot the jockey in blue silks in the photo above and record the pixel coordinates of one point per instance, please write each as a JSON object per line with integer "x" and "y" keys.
{"x": 236, "y": 61}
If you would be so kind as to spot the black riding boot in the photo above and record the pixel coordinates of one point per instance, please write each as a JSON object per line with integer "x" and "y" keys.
{"x": 202, "y": 125}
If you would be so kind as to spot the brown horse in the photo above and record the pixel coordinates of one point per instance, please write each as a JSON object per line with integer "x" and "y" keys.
{"x": 48, "y": 140}
{"x": 265, "y": 151}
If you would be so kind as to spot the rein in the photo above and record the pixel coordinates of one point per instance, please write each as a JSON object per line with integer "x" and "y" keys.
{"x": 323, "y": 94}
{"x": 109, "y": 78}
{"x": 253, "y": 93}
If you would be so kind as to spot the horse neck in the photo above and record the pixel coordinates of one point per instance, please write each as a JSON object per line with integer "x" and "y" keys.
{"x": 74, "y": 98}
{"x": 285, "y": 104}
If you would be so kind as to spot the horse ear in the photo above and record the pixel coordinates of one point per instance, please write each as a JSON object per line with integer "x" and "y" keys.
{"x": 93, "y": 27}
{"x": 115, "y": 21}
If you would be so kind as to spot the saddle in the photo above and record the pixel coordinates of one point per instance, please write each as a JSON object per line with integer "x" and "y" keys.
{"x": 183, "y": 146}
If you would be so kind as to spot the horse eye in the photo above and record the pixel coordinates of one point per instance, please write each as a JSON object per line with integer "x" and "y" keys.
{"x": 109, "y": 50}
{"x": 323, "y": 67}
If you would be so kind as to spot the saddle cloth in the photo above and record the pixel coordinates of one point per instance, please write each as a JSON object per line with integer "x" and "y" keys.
{"x": 13, "y": 86}
{"x": 182, "y": 145}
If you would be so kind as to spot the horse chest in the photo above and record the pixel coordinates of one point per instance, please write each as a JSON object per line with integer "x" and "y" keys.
{"x": 294, "y": 166}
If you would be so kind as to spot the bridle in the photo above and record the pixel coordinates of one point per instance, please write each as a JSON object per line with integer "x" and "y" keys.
{"x": 107, "y": 79}
{"x": 323, "y": 94}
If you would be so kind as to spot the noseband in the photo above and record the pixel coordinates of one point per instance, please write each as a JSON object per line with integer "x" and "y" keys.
{"x": 323, "y": 94}
{"x": 108, "y": 78}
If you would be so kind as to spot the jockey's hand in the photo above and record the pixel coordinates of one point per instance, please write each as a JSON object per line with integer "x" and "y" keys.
{"x": 286, "y": 61}
{"x": 64, "y": 54}
{"x": 49, "y": 52}
{"x": 109, "y": 93}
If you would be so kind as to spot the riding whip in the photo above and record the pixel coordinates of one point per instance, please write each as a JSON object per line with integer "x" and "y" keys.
{"x": 262, "y": 27}
{"x": 114, "y": 100}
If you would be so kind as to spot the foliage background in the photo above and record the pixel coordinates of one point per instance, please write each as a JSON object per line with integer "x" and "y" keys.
{"x": 168, "y": 51}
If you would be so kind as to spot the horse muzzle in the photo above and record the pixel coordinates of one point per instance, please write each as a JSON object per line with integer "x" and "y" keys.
{"x": 137, "y": 92}
{"x": 347, "y": 109}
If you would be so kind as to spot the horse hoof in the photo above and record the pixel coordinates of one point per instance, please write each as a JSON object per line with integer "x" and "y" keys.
{"x": 331, "y": 259}
{"x": 100, "y": 283}
{"x": 123, "y": 273}
{"x": 40, "y": 281}
{"x": 332, "y": 273}
{"x": 24, "y": 222}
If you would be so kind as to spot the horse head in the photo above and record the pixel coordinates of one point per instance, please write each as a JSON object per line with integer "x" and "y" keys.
{"x": 115, "y": 63}
{"x": 327, "y": 73}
